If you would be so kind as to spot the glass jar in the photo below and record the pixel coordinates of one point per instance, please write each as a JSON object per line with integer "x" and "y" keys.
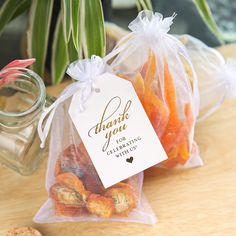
{"x": 22, "y": 98}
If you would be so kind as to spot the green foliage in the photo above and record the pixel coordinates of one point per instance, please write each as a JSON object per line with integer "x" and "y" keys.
{"x": 79, "y": 31}
{"x": 94, "y": 40}
{"x": 37, "y": 35}
{"x": 205, "y": 12}
{"x": 11, "y": 9}
{"x": 144, "y": 5}
{"x": 60, "y": 56}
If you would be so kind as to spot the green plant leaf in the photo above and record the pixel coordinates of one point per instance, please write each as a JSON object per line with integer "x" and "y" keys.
{"x": 72, "y": 51}
{"x": 66, "y": 16}
{"x": 139, "y": 7}
{"x": 75, "y": 13}
{"x": 24, "y": 6}
{"x": 10, "y": 9}
{"x": 60, "y": 57}
{"x": 206, "y": 14}
{"x": 37, "y": 35}
{"x": 144, "y": 5}
{"x": 93, "y": 39}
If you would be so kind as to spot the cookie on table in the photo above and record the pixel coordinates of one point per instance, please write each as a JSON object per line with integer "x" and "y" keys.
{"x": 23, "y": 231}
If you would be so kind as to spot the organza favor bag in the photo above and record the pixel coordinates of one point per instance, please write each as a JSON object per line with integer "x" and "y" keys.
{"x": 75, "y": 192}
{"x": 154, "y": 61}
{"x": 216, "y": 77}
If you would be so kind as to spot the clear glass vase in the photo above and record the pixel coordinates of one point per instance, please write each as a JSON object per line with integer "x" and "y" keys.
{"x": 22, "y": 98}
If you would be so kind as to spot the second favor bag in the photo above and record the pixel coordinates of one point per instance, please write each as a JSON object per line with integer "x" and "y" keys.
{"x": 216, "y": 76}
{"x": 154, "y": 61}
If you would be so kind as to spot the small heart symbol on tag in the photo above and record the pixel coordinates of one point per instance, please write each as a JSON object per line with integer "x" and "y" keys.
{"x": 130, "y": 160}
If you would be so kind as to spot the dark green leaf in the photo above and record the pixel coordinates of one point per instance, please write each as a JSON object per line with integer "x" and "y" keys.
{"x": 24, "y": 6}
{"x": 205, "y": 12}
{"x": 39, "y": 24}
{"x": 10, "y": 10}
{"x": 60, "y": 58}
{"x": 93, "y": 40}
{"x": 73, "y": 53}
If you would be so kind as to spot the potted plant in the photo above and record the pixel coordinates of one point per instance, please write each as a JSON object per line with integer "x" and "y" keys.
{"x": 79, "y": 29}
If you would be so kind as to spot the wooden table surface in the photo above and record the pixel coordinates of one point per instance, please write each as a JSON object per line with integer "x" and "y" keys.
{"x": 194, "y": 202}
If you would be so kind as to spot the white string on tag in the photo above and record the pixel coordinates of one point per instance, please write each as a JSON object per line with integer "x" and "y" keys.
{"x": 85, "y": 72}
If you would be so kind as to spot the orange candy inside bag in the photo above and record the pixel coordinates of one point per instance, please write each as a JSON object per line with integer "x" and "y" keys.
{"x": 162, "y": 109}
{"x": 78, "y": 191}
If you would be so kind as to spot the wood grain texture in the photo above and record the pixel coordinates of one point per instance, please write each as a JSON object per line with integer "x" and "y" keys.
{"x": 194, "y": 202}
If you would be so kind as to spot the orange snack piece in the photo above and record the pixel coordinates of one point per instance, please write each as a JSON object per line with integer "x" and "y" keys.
{"x": 174, "y": 124}
{"x": 139, "y": 87}
{"x": 150, "y": 70}
{"x": 84, "y": 158}
{"x": 156, "y": 111}
{"x": 183, "y": 152}
{"x": 189, "y": 116}
{"x": 68, "y": 161}
{"x": 67, "y": 201}
{"x": 123, "y": 197}
{"x": 73, "y": 182}
{"x": 66, "y": 210}
{"x": 100, "y": 205}
{"x": 66, "y": 196}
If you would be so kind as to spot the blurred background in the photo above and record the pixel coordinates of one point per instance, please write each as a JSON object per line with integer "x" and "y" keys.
{"x": 121, "y": 12}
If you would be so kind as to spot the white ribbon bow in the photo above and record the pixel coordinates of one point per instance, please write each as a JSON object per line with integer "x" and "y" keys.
{"x": 85, "y": 72}
{"x": 151, "y": 25}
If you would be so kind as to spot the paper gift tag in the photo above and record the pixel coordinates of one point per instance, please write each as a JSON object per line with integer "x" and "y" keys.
{"x": 116, "y": 131}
